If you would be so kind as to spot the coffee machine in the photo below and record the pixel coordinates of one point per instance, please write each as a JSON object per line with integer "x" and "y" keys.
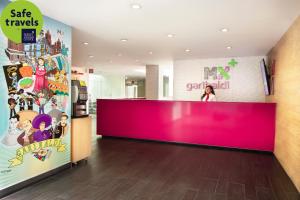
{"x": 79, "y": 98}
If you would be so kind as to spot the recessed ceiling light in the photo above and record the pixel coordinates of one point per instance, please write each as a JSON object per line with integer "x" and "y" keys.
{"x": 136, "y": 6}
{"x": 224, "y": 30}
{"x": 85, "y": 43}
{"x": 229, "y": 47}
{"x": 170, "y": 35}
{"x": 91, "y": 56}
{"x": 150, "y": 52}
{"x": 124, "y": 40}
{"x": 187, "y": 50}
{"x": 140, "y": 70}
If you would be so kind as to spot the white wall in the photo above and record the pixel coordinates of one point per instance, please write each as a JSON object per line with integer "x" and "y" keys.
{"x": 245, "y": 83}
{"x": 166, "y": 70}
{"x": 106, "y": 86}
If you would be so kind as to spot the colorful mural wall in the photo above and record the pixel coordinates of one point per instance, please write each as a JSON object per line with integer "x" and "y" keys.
{"x": 34, "y": 103}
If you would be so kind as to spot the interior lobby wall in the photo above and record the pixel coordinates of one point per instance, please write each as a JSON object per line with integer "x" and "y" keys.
{"x": 286, "y": 55}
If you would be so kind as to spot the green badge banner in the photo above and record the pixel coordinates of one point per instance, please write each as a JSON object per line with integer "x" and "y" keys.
{"x": 19, "y": 15}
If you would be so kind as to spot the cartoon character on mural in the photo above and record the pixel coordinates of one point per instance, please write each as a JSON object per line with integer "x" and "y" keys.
{"x": 61, "y": 77}
{"x": 41, "y": 100}
{"x": 14, "y": 80}
{"x": 12, "y": 103}
{"x": 62, "y": 127}
{"x": 52, "y": 68}
{"x": 22, "y": 100}
{"x": 29, "y": 100}
{"x": 12, "y": 76}
{"x": 56, "y": 116}
{"x": 41, "y": 81}
{"x": 13, "y": 132}
{"x": 42, "y": 154}
{"x": 26, "y": 137}
{"x": 53, "y": 128}
{"x": 54, "y": 101}
{"x": 42, "y": 123}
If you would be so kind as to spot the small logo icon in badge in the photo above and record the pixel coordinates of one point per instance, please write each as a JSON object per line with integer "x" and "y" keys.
{"x": 28, "y": 36}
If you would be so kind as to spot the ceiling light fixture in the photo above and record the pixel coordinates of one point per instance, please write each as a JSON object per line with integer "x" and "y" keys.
{"x": 85, "y": 43}
{"x": 224, "y": 30}
{"x": 140, "y": 70}
{"x": 170, "y": 35}
{"x": 187, "y": 50}
{"x": 124, "y": 40}
{"x": 136, "y": 6}
{"x": 91, "y": 56}
{"x": 229, "y": 47}
{"x": 150, "y": 52}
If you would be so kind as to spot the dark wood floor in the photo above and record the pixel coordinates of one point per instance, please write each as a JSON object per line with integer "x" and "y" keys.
{"x": 124, "y": 169}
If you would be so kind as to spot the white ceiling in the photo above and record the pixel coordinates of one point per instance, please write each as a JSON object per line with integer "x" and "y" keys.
{"x": 254, "y": 28}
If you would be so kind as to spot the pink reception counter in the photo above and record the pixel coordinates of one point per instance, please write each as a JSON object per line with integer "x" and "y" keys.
{"x": 223, "y": 124}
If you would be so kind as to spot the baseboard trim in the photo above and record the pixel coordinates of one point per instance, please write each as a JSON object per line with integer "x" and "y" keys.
{"x": 7, "y": 191}
{"x": 191, "y": 145}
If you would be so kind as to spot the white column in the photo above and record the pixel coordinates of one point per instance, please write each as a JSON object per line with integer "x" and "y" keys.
{"x": 152, "y": 82}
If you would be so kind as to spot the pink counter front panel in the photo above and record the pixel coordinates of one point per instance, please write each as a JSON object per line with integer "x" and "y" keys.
{"x": 223, "y": 124}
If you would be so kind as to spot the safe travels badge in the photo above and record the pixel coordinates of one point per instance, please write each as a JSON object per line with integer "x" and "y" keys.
{"x": 21, "y": 21}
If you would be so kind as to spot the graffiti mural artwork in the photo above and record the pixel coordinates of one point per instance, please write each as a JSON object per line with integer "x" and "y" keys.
{"x": 34, "y": 103}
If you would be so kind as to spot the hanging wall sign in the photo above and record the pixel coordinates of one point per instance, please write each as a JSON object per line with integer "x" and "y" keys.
{"x": 217, "y": 76}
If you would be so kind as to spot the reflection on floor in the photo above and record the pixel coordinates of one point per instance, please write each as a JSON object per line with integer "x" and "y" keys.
{"x": 124, "y": 169}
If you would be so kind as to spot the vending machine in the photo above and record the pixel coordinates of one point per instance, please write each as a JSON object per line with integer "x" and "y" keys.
{"x": 79, "y": 99}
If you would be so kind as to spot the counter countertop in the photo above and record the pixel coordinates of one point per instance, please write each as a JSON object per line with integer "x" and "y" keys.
{"x": 193, "y": 101}
{"x": 245, "y": 125}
